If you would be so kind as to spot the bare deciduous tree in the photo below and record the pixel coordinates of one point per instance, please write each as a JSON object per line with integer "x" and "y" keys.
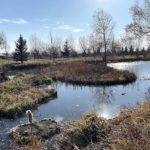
{"x": 55, "y": 46}
{"x": 71, "y": 42}
{"x": 95, "y": 44}
{"x": 35, "y": 46}
{"x": 103, "y": 26}
{"x": 83, "y": 43}
{"x": 140, "y": 25}
{"x": 92, "y": 48}
{"x": 72, "y": 46}
{"x": 4, "y": 44}
{"x": 2, "y": 39}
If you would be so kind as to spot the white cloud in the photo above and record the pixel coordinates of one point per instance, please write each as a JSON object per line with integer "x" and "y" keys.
{"x": 68, "y": 28}
{"x": 77, "y": 30}
{"x": 19, "y": 21}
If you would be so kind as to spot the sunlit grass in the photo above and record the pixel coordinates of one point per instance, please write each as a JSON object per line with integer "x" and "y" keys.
{"x": 132, "y": 127}
{"x": 21, "y": 94}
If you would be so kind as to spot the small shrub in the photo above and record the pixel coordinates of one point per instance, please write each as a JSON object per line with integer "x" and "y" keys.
{"x": 89, "y": 128}
{"x": 42, "y": 80}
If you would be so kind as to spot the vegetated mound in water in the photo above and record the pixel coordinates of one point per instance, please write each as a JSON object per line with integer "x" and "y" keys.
{"x": 89, "y": 74}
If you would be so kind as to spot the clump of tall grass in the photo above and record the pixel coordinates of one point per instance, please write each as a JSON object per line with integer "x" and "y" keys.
{"x": 89, "y": 128}
{"x": 42, "y": 80}
{"x": 132, "y": 128}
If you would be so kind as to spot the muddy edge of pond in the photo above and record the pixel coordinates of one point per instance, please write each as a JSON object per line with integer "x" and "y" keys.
{"x": 52, "y": 135}
{"x": 97, "y": 83}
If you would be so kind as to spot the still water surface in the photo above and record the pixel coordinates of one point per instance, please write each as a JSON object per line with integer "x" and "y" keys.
{"x": 106, "y": 101}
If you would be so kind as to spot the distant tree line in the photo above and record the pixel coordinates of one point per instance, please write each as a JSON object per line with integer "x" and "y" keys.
{"x": 56, "y": 48}
{"x": 101, "y": 42}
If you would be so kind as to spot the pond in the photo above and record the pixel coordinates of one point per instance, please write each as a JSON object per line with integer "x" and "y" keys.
{"x": 106, "y": 101}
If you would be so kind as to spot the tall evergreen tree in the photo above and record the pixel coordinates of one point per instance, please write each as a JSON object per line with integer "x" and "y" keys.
{"x": 126, "y": 50}
{"x": 21, "y": 53}
{"x": 143, "y": 49}
{"x": 137, "y": 52}
{"x": 144, "y": 52}
{"x": 148, "y": 50}
{"x": 66, "y": 51}
{"x": 131, "y": 50}
{"x": 122, "y": 53}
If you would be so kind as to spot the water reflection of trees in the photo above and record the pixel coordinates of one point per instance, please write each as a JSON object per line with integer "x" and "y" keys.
{"x": 102, "y": 100}
{"x": 102, "y": 95}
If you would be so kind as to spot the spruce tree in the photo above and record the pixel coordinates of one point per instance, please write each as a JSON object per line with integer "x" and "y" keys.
{"x": 66, "y": 51}
{"x": 122, "y": 50}
{"x": 137, "y": 52}
{"x": 131, "y": 50}
{"x": 21, "y": 53}
{"x": 126, "y": 50}
{"x": 144, "y": 52}
{"x": 148, "y": 50}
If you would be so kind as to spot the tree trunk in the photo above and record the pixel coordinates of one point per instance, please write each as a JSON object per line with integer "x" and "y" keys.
{"x": 105, "y": 50}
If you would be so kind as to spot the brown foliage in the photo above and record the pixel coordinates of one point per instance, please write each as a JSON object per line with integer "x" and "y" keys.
{"x": 89, "y": 74}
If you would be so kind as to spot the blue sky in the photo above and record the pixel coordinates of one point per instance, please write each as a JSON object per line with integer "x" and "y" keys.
{"x": 61, "y": 17}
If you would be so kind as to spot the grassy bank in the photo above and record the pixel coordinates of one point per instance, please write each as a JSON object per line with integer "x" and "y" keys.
{"x": 131, "y": 129}
{"x": 48, "y": 134}
{"x": 114, "y": 58}
{"x": 128, "y": 131}
{"x": 36, "y": 63}
{"x": 81, "y": 73}
{"x": 21, "y": 94}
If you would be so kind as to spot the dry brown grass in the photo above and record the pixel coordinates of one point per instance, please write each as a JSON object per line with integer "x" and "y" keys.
{"x": 128, "y": 131}
{"x": 35, "y": 143}
{"x": 90, "y": 74}
{"x": 89, "y": 128}
{"x": 20, "y": 94}
{"x": 132, "y": 128}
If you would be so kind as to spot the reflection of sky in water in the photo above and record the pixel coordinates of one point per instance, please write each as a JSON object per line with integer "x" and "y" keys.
{"x": 73, "y": 101}
{"x": 11, "y": 77}
{"x": 107, "y": 101}
{"x": 141, "y": 68}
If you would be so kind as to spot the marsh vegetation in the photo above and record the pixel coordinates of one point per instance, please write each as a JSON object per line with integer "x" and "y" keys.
{"x": 21, "y": 94}
{"x": 99, "y": 84}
